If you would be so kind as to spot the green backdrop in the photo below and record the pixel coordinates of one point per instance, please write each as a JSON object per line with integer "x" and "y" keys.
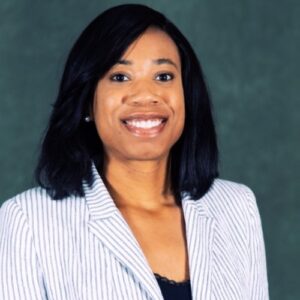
{"x": 249, "y": 51}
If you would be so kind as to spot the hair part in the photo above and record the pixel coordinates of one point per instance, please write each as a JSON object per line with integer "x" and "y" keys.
{"x": 71, "y": 145}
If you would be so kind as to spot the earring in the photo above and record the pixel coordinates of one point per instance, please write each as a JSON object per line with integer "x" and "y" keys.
{"x": 87, "y": 119}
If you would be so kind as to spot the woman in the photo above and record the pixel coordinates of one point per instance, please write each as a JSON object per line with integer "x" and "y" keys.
{"x": 129, "y": 204}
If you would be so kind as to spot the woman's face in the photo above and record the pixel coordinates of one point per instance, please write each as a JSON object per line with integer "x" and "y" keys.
{"x": 138, "y": 105}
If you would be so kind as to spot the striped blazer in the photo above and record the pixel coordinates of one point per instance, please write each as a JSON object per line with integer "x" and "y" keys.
{"x": 82, "y": 248}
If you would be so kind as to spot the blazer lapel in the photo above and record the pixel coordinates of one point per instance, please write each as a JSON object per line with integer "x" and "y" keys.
{"x": 108, "y": 225}
{"x": 200, "y": 231}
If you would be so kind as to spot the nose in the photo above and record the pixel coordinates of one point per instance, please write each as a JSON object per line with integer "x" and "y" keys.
{"x": 142, "y": 94}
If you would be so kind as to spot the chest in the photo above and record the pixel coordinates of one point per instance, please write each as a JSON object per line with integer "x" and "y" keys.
{"x": 162, "y": 240}
{"x": 99, "y": 259}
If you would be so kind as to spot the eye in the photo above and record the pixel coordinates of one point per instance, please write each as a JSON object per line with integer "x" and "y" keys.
{"x": 164, "y": 77}
{"x": 119, "y": 77}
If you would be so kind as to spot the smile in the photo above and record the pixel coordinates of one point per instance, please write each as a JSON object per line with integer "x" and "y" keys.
{"x": 145, "y": 127}
{"x": 144, "y": 123}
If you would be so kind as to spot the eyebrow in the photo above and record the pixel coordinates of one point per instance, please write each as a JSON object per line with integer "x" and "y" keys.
{"x": 159, "y": 61}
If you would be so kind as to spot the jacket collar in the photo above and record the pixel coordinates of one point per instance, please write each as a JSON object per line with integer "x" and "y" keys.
{"x": 108, "y": 225}
{"x": 98, "y": 199}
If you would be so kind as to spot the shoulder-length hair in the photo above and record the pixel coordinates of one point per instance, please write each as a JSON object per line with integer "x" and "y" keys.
{"x": 71, "y": 145}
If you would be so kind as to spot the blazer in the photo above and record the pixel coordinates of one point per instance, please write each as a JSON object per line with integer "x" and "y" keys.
{"x": 82, "y": 247}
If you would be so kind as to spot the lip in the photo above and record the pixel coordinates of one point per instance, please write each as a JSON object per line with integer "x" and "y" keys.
{"x": 145, "y": 132}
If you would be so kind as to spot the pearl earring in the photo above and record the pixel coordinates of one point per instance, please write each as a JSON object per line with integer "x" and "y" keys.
{"x": 87, "y": 119}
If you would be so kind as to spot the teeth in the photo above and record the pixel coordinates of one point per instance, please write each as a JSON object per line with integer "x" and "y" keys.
{"x": 144, "y": 123}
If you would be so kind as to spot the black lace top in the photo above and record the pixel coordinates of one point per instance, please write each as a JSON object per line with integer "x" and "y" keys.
{"x": 173, "y": 290}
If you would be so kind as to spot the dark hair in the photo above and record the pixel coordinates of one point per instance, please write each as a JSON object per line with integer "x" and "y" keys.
{"x": 70, "y": 145}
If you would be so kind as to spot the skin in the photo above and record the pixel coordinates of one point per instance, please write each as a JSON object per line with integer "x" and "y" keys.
{"x": 136, "y": 166}
{"x": 141, "y": 86}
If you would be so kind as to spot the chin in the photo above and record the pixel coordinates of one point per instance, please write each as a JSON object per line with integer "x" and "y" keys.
{"x": 147, "y": 155}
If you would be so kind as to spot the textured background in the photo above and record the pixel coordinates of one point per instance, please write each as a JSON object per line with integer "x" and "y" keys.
{"x": 249, "y": 51}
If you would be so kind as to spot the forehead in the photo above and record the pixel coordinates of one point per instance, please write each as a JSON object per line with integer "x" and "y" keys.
{"x": 152, "y": 44}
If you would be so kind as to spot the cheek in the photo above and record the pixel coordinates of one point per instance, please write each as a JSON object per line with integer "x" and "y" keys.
{"x": 179, "y": 107}
{"x": 181, "y": 113}
{"x": 105, "y": 104}
{"x": 181, "y": 121}
{"x": 101, "y": 113}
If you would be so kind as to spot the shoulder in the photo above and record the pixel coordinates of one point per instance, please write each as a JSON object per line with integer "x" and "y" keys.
{"x": 36, "y": 206}
{"x": 23, "y": 202}
{"x": 231, "y": 189}
{"x": 29, "y": 199}
{"x": 230, "y": 201}
{"x": 234, "y": 209}
{"x": 222, "y": 191}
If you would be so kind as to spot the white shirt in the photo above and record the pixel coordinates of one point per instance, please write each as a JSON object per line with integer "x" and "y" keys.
{"x": 82, "y": 248}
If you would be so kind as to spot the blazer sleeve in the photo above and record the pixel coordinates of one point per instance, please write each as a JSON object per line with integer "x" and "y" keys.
{"x": 258, "y": 281}
{"x": 20, "y": 273}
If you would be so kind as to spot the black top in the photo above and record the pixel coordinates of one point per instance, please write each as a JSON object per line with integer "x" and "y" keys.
{"x": 173, "y": 290}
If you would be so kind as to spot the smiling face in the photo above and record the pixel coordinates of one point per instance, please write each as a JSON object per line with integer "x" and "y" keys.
{"x": 138, "y": 105}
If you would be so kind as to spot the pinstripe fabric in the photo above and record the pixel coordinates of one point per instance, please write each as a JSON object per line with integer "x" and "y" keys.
{"x": 82, "y": 248}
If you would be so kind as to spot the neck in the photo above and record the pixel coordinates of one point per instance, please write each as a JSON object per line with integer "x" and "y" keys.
{"x": 139, "y": 184}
